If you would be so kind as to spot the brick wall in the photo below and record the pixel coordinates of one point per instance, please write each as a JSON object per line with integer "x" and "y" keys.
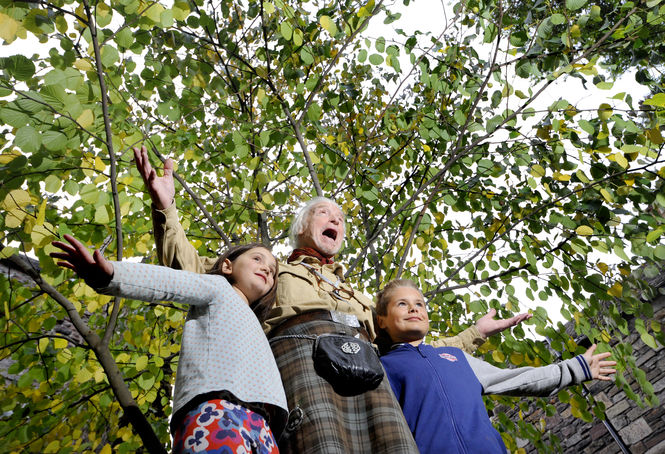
{"x": 642, "y": 430}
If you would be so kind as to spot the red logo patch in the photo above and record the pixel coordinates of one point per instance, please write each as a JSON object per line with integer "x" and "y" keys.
{"x": 448, "y": 356}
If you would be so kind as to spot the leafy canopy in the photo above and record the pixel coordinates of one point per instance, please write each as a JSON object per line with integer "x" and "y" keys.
{"x": 438, "y": 147}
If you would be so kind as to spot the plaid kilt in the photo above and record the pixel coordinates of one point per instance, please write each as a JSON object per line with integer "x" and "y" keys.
{"x": 329, "y": 423}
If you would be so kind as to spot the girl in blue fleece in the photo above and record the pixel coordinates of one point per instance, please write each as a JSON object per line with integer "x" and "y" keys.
{"x": 440, "y": 389}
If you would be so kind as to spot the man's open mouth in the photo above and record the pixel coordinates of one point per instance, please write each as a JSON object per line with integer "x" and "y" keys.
{"x": 330, "y": 233}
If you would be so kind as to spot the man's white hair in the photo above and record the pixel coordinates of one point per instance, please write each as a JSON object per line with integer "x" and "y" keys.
{"x": 301, "y": 220}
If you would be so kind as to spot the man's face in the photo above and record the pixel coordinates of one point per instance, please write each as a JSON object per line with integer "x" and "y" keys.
{"x": 324, "y": 231}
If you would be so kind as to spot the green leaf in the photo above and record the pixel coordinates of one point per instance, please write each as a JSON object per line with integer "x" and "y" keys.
{"x": 286, "y": 30}
{"x": 376, "y": 59}
{"x": 545, "y": 28}
{"x": 13, "y": 117}
{"x": 54, "y": 140}
{"x": 306, "y": 56}
{"x": 557, "y": 19}
{"x": 587, "y": 127}
{"x": 574, "y": 5}
{"x": 18, "y": 66}
{"x": 380, "y": 44}
{"x": 27, "y": 139}
{"x": 109, "y": 56}
{"x": 90, "y": 194}
{"x": 618, "y": 250}
{"x": 52, "y": 183}
{"x": 659, "y": 252}
{"x": 125, "y": 38}
{"x": 649, "y": 340}
{"x": 657, "y": 100}
{"x": 654, "y": 234}
{"x": 102, "y": 215}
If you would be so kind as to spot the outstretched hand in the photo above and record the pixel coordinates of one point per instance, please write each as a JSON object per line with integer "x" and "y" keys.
{"x": 600, "y": 370}
{"x": 94, "y": 269}
{"x": 488, "y": 326}
{"x": 161, "y": 189}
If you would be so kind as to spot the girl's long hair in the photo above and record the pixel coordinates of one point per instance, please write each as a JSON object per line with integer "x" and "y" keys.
{"x": 262, "y": 306}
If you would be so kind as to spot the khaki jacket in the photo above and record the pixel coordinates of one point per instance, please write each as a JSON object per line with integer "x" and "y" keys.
{"x": 299, "y": 287}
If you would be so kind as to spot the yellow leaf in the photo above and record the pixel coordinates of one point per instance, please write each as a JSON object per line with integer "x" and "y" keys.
{"x": 141, "y": 362}
{"x": 86, "y": 119}
{"x": 605, "y": 336}
{"x": 8, "y": 28}
{"x": 42, "y": 213}
{"x": 102, "y": 215}
{"x": 59, "y": 343}
{"x": 6, "y": 158}
{"x": 7, "y": 251}
{"x": 606, "y": 195}
{"x": 92, "y": 306}
{"x": 99, "y": 164}
{"x": 14, "y": 218}
{"x": 584, "y": 230}
{"x": 181, "y": 10}
{"x": 516, "y": 358}
{"x": 106, "y": 449}
{"x": 328, "y": 24}
{"x": 83, "y": 65}
{"x": 268, "y": 7}
{"x": 621, "y": 160}
{"x": 83, "y": 375}
{"x": 43, "y": 343}
{"x": 16, "y": 198}
{"x": 52, "y": 447}
{"x": 99, "y": 374}
{"x": 582, "y": 177}
{"x": 616, "y": 290}
{"x": 154, "y": 12}
{"x": 572, "y": 345}
{"x": 560, "y": 176}
{"x": 537, "y": 171}
{"x": 199, "y": 81}
{"x": 498, "y": 356}
{"x": 654, "y": 135}
{"x": 41, "y": 235}
{"x": 602, "y": 267}
{"x": 605, "y": 111}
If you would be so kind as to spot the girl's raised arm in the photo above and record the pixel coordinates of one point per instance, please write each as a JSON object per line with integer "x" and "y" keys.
{"x": 94, "y": 269}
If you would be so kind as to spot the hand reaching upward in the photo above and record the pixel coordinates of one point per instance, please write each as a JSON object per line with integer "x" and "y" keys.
{"x": 161, "y": 189}
{"x": 488, "y": 326}
{"x": 94, "y": 269}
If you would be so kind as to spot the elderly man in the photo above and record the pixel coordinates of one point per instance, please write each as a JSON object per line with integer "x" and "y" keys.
{"x": 312, "y": 299}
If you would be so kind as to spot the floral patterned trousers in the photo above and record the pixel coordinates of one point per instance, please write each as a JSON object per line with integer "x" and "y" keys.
{"x": 222, "y": 427}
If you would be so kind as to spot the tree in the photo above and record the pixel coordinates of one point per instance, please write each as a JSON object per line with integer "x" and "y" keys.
{"x": 450, "y": 172}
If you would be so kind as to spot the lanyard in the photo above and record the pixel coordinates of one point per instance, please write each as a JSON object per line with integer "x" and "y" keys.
{"x": 336, "y": 285}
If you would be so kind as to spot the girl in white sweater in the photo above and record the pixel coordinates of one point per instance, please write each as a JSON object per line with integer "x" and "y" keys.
{"x": 227, "y": 385}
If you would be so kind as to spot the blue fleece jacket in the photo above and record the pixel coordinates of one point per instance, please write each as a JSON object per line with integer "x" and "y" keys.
{"x": 440, "y": 389}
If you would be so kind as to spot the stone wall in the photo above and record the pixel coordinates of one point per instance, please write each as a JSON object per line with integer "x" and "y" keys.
{"x": 642, "y": 430}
